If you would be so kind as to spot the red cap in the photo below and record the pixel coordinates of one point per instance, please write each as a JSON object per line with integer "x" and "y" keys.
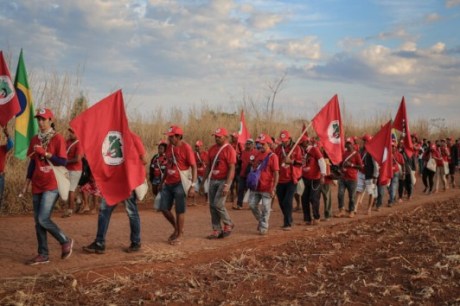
{"x": 350, "y": 140}
{"x": 198, "y": 143}
{"x": 235, "y": 134}
{"x": 220, "y": 132}
{"x": 162, "y": 141}
{"x": 304, "y": 138}
{"x": 284, "y": 136}
{"x": 264, "y": 138}
{"x": 44, "y": 113}
{"x": 366, "y": 137}
{"x": 174, "y": 130}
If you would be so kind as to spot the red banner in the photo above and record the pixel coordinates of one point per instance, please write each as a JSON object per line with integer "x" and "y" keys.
{"x": 9, "y": 103}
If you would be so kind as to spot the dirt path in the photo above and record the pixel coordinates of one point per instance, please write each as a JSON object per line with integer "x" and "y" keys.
{"x": 18, "y": 242}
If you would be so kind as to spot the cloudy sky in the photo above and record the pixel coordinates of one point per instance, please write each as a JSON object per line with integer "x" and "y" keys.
{"x": 177, "y": 52}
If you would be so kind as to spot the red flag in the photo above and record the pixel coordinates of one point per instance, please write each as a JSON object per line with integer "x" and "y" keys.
{"x": 379, "y": 147}
{"x": 401, "y": 124}
{"x": 9, "y": 103}
{"x": 328, "y": 126}
{"x": 110, "y": 148}
{"x": 243, "y": 133}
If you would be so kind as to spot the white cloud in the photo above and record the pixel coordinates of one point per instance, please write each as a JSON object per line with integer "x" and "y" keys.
{"x": 265, "y": 21}
{"x": 452, "y": 3}
{"x": 306, "y": 48}
{"x": 381, "y": 59}
{"x": 432, "y": 17}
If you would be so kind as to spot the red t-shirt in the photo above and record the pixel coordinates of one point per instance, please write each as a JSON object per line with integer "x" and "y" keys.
{"x": 201, "y": 162}
{"x": 310, "y": 167}
{"x": 246, "y": 158}
{"x": 3, "y": 153}
{"x": 184, "y": 158}
{"x": 226, "y": 158}
{"x": 397, "y": 159}
{"x": 43, "y": 178}
{"x": 286, "y": 174}
{"x": 72, "y": 152}
{"x": 266, "y": 180}
{"x": 351, "y": 173}
{"x": 436, "y": 154}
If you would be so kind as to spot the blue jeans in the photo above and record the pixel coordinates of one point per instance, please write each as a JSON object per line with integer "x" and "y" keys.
{"x": 43, "y": 207}
{"x": 262, "y": 214}
{"x": 104, "y": 219}
{"x": 285, "y": 193}
{"x": 241, "y": 190}
{"x": 350, "y": 186}
{"x": 380, "y": 194}
{"x": 217, "y": 205}
{"x": 2, "y": 188}
{"x": 393, "y": 189}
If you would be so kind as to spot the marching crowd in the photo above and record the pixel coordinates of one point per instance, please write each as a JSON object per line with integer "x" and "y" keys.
{"x": 297, "y": 173}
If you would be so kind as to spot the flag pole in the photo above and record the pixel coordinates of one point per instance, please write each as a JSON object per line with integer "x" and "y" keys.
{"x": 298, "y": 139}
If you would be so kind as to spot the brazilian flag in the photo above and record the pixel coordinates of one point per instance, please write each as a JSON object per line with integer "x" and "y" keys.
{"x": 26, "y": 126}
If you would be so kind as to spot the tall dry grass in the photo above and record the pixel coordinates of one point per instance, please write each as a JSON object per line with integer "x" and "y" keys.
{"x": 61, "y": 93}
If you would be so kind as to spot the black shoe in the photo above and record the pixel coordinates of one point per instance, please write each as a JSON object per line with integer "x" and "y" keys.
{"x": 95, "y": 247}
{"x": 134, "y": 247}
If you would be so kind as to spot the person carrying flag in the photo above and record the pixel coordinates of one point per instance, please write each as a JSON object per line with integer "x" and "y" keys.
{"x": 290, "y": 173}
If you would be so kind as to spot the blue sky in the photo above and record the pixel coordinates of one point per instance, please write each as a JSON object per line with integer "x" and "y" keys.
{"x": 169, "y": 53}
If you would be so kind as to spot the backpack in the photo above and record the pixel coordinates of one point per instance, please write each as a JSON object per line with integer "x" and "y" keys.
{"x": 85, "y": 172}
{"x": 252, "y": 181}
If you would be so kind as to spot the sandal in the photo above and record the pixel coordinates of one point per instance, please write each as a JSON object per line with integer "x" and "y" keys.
{"x": 172, "y": 237}
{"x": 175, "y": 241}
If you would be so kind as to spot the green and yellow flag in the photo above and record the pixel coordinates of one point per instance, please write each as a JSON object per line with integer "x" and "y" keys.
{"x": 26, "y": 126}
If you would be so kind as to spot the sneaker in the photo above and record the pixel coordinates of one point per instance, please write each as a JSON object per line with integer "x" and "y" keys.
{"x": 67, "y": 249}
{"x": 263, "y": 232}
{"x": 237, "y": 207}
{"x": 314, "y": 222}
{"x": 351, "y": 215}
{"x": 215, "y": 234}
{"x": 95, "y": 247}
{"x": 67, "y": 213}
{"x": 38, "y": 260}
{"x": 134, "y": 247}
{"x": 286, "y": 228}
{"x": 227, "y": 230}
{"x": 340, "y": 214}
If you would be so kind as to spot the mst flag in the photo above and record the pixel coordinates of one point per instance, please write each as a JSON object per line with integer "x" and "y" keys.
{"x": 110, "y": 148}
{"x": 9, "y": 104}
{"x": 401, "y": 124}
{"x": 379, "y": 147}
{"x": 243, "y": 133}
{"x": 26, "y": 126}
{"x": 328, "y": 126}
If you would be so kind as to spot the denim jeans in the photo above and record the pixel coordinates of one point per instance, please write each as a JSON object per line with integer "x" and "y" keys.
{"x": 380, "y": 194}
{"x": 262, "y": 212}
{"x": 311, "y": 196}
{"x": 350, "y": 186}
{"x": 43, "y": 207}
{"x": 327, "y": 198}
{"x": 241, "y": 190}
{"x": 104, "y": 219}
{"x": 171, "y": 194}
{"x": 217, "y": 208}
{"x": 393, "y": 189}
{"x": 285, "y": 193}
{"x": 2, "y": 189}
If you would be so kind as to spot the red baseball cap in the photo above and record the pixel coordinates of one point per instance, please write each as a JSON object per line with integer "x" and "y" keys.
{"x": 304, "y": 138}
{"x": 219, "y": 132}
{"x": 284, "y": 136}
{"x": 366, "y": 137}
{"x": 198, "y": 143}
{"x": 162, "y": 141}
{"x": 264, "y": 138}
{"x": 174, "y": 130}
{"x": 350, "y": 140}
{"x": 44, "y": 113}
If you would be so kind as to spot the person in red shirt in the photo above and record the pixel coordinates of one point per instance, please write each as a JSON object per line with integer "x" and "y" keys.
{"x": 349, "y": 180}
{"x": 326, "y": 186}
{"x": 180, "y": 157}
{"x": 220, "y": 172}
{"x": 428, "y": 175}
{"x": 398, "y": 164}
{"x": 313, "y": 173}
{"x": 45, "y": 148}
{"x": 246, "y": 159}
{"x": 290, "y": 173}
{"x": 201, "y": 157}
{"x": 238, "y": 149}
{"x": 4, "y": 149}
{"x": 265, "y": 191}
{"x": 441, "y": 160}
{"x": 158, "y": 167}
{"x": 74, "y": 165}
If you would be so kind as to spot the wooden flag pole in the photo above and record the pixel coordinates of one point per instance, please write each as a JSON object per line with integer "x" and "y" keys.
{"x": 298, "y": 140}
